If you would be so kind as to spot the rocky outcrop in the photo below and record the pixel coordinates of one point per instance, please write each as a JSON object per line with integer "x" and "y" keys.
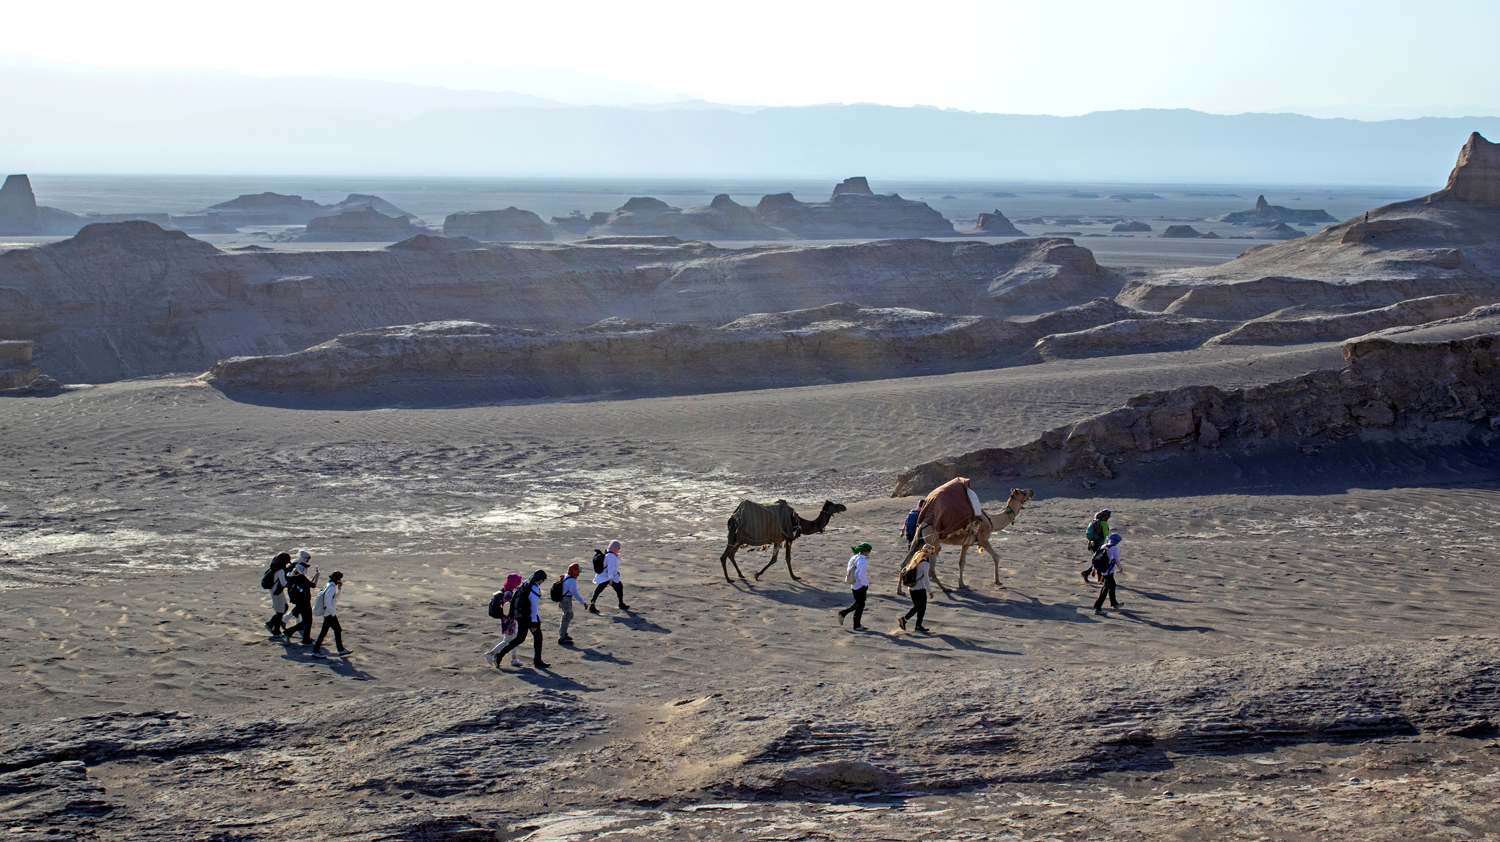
{"x": 359, "y": 226}
{"x": 1409, "y": 391}
{"x": 20, "y": 214}
{"x": 131, "y": 299}
{"x": 1142, "y": 333}
{"x": 1271, "y": 330}
{"x": 1133, "y": 226}
{"x": 573, "y": 223}
{"x": 362, "y": 201}
{"x": 853, "y": 212}
{"x": 1180, "y": 232}
{"x": 1412, "y": 249}
{"x": 856, "y": 186}
{"x": 498, "y": 226}
{"x": 1476, "y": 176}
{"x": 995, "y": 224}
{"x": 1279, "y": 231}
{"x": 721, "y": 219}
{"x": 16, "y": 368}
{"x": 1265, "y": 214}
{"x": 623, "y": 356}
{"x": 268, "y": 209}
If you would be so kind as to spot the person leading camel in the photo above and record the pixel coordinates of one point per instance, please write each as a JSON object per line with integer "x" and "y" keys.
{"x": 857, "y": 577}
{"x": 609, "y": 578}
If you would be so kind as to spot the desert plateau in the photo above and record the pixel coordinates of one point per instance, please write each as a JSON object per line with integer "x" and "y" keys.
{"x": 925, "y": 472}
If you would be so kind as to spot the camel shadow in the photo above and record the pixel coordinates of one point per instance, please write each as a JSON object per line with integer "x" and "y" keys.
{"x": 1017, "y": 606}
{"x": 336, "y": 664}
{"x": 795, "y": 594}
{"x": 1133, "y": 617}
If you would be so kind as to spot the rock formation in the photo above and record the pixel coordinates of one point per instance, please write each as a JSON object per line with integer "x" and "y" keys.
{"x": 20, "y": 214}
{"x": 1395, "y": 388}
{"x": 1180, "y": 232}
{"x": 16, "y": 368}
{"x": 268, "y": 209}
{"x": 1279, "y": 231}
{"x": 1142, "y": 333}
{"x": 853, "y": 212}
{"x": 995, "y": 225}
{"x": 1476, "y": 176}
{"x": 573, "y": 223}
{"x": 498, "y": 226}
{"x": 362, "y": 201}
{"x": 1132, "y": 226}
{"x": 1273, "y": 329}
{"x": 358, "y": 226}
{"x": 721, "y": 219}
{"x": 82, "y": 300}
{"x": 1265, "y": 214}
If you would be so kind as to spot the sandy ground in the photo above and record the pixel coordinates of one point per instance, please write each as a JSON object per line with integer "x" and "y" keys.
{"x": 135, "y": 519}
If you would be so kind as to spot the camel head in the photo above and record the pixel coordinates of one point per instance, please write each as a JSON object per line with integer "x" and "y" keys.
{"x": 1018, "y": 496}
{"x": 833, "y": 508}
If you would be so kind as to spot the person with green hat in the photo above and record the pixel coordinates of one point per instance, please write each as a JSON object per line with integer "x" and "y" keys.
{"x": 859, "y": 582}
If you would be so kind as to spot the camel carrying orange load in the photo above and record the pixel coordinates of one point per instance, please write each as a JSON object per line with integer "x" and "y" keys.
{"x": 951, "y": 508}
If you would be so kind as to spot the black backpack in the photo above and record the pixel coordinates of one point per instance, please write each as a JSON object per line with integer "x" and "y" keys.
{"x": 497, "y": 605}
{"x": 909, "y": 578}
{"x": 520, "y": 604}
{"x": 557, "y": 591}
{"x": 1101, "y": 561}
{"x": 297, "y": 588}
{"x": 268, "y": 579}
{"x": 598, "y": 561}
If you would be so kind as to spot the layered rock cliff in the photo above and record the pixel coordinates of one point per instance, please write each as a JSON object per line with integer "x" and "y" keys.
{"x": 994, "y": 224}
{"x": 1265, "y": 214}
{"x": 131, "y": 299}
{"x": 721, "y": 219}
{"x": 1476, "y": 176}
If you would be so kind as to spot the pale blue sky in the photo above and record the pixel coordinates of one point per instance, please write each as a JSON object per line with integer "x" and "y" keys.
{"x": 1368, "y": 59}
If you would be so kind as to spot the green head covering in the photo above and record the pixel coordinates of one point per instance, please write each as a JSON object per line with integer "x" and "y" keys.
{"x": 862, "y": 547}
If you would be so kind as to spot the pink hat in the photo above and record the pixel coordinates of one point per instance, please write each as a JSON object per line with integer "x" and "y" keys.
{"x": 614, "y": 546}
{"x": 513, "y": 581}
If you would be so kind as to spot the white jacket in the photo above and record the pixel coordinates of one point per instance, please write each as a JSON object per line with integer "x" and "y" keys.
{"x": 330, "y": 600}
{"x": 924, "y": 580}
{"x": 857, "y": 563}
{"x": 1115, "y": 564}
{"x": 536, "y": 601}
{"x": 611, "y": 570}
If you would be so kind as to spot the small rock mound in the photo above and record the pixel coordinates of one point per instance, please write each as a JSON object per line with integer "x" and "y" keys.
{"x": 365, "y": 225}
{"x": 995, "y": 225}
{"x": 16, "y": 368}
{"x": 1133, "y": 226}
{"x": 1180, "y": 232}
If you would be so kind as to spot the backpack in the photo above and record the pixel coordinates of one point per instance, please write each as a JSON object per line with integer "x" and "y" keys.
{"x": 909, "y": 578}
{"x": 849, "y": 575}
{"x": 297, "y": 588}
{"x": 599, "y": 561}
{"x": 268, "y": 579}
{"x": 1101, "y": 562}
{"x": 520, "y": 603}
{"x": 497, "y": 604}
{"x": 557, "y": 591}
{"x": 320, "y": 605}
{"x": 1095, "y": 532}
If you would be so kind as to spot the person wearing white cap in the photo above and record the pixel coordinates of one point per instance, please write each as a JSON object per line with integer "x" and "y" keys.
{"x": 300, "y": 587}
{"x": 329, "y": 608}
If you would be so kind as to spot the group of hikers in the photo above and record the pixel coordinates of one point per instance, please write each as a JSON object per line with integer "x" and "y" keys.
{"x": 294, "y": 606}
{"x": 518, "y": 604}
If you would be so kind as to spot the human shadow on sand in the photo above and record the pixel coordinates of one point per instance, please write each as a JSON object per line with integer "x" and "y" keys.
{"x": 1127, "y": 614}
{"x": 603, "y": 657}
{"x": 336, "y": 664}
{"x": 1161, "y": 597}
{"x": 636, "y": 622}
{"x": 549, "y": 679}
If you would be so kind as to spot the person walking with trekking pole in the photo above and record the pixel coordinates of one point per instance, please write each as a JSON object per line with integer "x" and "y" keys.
{"x": 527, "y": 610}
{"x": 328, "y": 604}
{"x": 1107, "y": 567}
{"x": 857, "y": 577}
{"x": 609, "y": 577}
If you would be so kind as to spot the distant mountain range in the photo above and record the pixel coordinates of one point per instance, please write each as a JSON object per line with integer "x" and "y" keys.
{"x": 68, "y": 121}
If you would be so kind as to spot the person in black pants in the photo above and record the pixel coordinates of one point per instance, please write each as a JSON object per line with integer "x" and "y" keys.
{"x": 299, "y": 589}
{"x": 1107, "y": 575}
{"x": 919, "y": 588}
{"x": 531, "y": 625}
{"x": 857, "y": 576}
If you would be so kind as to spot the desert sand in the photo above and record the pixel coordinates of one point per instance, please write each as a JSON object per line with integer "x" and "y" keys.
{"x": 1305, "y": 647}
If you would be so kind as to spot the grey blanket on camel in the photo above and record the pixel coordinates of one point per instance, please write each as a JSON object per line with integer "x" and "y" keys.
{"x": 758, "y": 523}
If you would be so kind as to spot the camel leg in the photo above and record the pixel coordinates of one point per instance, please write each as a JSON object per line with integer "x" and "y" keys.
{"x": 789, "y": 562}
{"x": 984, "y": 544}
{"x": 728, "y": 556}
{"x": 775, "y": 548}
{"x": 963, "y": 550}
{"x": 932, "y": 571}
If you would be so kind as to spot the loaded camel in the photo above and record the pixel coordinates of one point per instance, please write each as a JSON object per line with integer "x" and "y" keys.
{"x": 978, "y": 533}
{"x": 756, "y": 524}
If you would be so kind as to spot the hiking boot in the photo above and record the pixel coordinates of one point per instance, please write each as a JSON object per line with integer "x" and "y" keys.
{"x": 565, "y": 641}
{"x": 1098, "y": 612}
{"x": 489, "y": 658}
{"x": 901, "y": 621}
{"x": 541, "y": 665}
{"x": 319, "y": 655}
{"x": 343, "y": 652}
{"x": 515, "y": 662}
{"x": 624, "y": 607}
{"x": 842, "y": 615}
{"x": 592, "y": 609}
{"x": 924, "y": 630}
{"x": 1085, "y": 576}
{"x": 859, "y": 628}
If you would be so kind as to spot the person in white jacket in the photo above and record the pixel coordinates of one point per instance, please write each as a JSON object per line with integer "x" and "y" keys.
{"x": 1107, "y": 575}
{"x": 858, "y": 578}
{"x": 330, "y": 606}
{"x": 609, "y": 578}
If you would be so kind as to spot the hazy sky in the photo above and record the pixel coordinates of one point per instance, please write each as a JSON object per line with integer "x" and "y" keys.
{"x": 1367, "y": 59}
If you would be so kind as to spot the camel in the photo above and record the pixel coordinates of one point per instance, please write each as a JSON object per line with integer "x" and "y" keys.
{"x": 776, "y": 525}
{"x": 978, "y": 534}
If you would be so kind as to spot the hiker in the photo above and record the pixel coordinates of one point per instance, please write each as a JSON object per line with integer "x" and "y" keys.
{"x": 1095, "y": 535}
{"x": 276, "y": 625}
{"x": 909, "y": 529}
{"x": 1107, "y": 570}
{"x": 330, "y": 614}
{"x": 300, "y": 591}
{"x": 509, "y": 627}
{"x": 918, "y": 585}
{"x": 855, "y": 576}
{"x": 528, "y": 607}
{"x": 569, "y": 595}
{"x": 609, "y": 577}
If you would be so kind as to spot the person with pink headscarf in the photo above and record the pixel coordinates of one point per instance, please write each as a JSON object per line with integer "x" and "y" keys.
{"x": 609, "y": 578}
{"x": 508, "y": 626}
